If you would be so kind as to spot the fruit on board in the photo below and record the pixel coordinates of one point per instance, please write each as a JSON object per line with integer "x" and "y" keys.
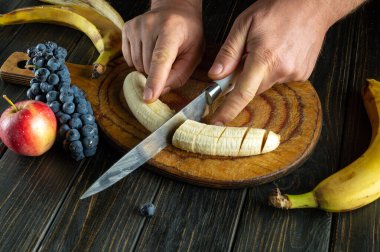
{"x": 354, "y": 186}
{"x": 28, "y": 127}
{"x": 104, "y": 34}
{"x": 77, "y": 129}
{"x": 194, "y": 136}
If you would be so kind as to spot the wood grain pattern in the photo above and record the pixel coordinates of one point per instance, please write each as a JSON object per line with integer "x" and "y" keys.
{"x": 292, "y": 110}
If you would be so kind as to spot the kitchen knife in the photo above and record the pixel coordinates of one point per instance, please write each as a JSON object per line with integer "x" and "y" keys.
{"x": 160, "y": 138}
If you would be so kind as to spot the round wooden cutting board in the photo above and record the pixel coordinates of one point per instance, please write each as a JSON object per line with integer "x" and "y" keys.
{"x": 292, "y": 110}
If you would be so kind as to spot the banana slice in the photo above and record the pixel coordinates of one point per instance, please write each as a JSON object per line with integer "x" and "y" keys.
{"x": 195, "y": 136}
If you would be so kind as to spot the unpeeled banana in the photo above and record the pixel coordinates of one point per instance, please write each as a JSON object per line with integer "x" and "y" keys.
{"x": 194, "y": 136}
{"x": 105, "y": 36}
{"x": 356, "y": 185}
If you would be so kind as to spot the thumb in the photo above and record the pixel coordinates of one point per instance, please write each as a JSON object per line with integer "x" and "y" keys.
{"x": 231, "y": 52}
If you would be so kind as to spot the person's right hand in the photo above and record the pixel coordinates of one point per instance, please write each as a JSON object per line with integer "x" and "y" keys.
{"x": 166, "y": 43}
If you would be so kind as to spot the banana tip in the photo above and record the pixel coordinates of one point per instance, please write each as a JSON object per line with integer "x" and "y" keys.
{"x": 278, "y": 200}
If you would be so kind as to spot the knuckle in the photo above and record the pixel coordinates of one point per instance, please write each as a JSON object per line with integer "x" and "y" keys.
{"x": 244, "y": 96}
{"x": 229, "y": 51}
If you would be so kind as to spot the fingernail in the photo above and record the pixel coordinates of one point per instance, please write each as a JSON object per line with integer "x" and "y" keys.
{"x": 148, "y": 94}
{"x": 216, "y": 69}
{"x": 218, "y": 123}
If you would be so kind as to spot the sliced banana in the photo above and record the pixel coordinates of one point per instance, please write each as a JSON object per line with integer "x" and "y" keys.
{"x": 195, "y": 136}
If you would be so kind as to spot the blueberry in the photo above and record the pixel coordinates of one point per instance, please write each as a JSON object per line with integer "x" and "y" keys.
{"x": 42, "y": 74}
{"x": 89, "y": 130}
{"x": 66, "y": 97}
{"x": 35, "y": 87}
{"x": 78, "y": 99}
{"x": 41, "y": 48}
{"x": 62, "y": 130}
{"x": 87, "y": 119}
{"x": 89, "y": 142}
{"x": 53, "y": 64}
{"x": 52, "y": 96}
{"x": 30, "y": 94}
{"x": 58, "y": 114}
{"x": 53, "y": 79}
{"x": 65, "y": 80}
{"x": 89, "y": 152}
{"x": 38, "y": 61}
{"x": 64, "y": 118}
{"x": 72, "y": 135}
{"x": 66, "y": 89}
{"x": 75, "y": 123}
{"x": 68, "y": 107}
{"x": 40, "y": 98}
{"x": 81, "y": 108}
{"x": 76, "y": 146}
{"x": 148, "y": 209}
{"x": 46, "y": 87}
{"x": 55, "y": 106}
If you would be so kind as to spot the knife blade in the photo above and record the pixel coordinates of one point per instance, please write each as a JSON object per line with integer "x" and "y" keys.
{"x": 160, "y": 138}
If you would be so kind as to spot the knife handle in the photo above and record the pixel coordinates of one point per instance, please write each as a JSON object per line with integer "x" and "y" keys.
{"x": 218, "y": 87}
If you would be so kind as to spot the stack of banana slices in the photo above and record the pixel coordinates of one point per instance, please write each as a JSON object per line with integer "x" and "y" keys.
{"x": 96, "y": 18}
{"x": 195, "y": 136}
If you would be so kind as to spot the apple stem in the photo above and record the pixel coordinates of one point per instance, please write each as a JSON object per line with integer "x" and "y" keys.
{"x": 10, "y": 102}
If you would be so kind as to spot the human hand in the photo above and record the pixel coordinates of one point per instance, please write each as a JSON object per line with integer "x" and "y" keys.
{"x": 280, "y": 41}
{"x": 166, "y": 43}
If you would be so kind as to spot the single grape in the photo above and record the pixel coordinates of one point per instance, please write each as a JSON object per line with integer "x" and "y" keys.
{"x": 50, "y": 46}
{"x": 55, "y": 106}
{"x": 75, "y": 123}
{"x": 87, "y": 119}
{"x": 38, "y": 61}
{"x": 77, "y": 155}
{"x": 35, "y": 87}
{"x": 53, "y": 64}
{"x": 30, "y": 94}
{"x": 68, "y": 107}
{"x": 60, "y": 52}
{"x": 81, "y": 108}
{"x": 89, "y": 130}
{"x": 148, "y": 209}
{"x": 72, "y": 135}
{"x": 31, "y": 52}
{"x": 89, "y": 152}
{"x": 41, "y": 48}
{"x": 89, "y": 108}
{"x": 53, "y": 79}
{"x": 64, "y": 118}
{"x": 66, "y": 97}
{"x": 63, "y": 129}
{"x": 76, "y": 146}
{"x": 52, "y": 96}
{"x": 78, "y": 99}
{"x": 40, "y": 98}
{"x": 66, "y": 89}
{"x": 34, "y": 80}
{"x": 42, "y": 74}
{"x": 89, "y": 142}
{"x": 46, "y": 87}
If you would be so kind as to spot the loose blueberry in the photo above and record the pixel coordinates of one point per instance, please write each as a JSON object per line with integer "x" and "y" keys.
{"x": 148, "y": 209}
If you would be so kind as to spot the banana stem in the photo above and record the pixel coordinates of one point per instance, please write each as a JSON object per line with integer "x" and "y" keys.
{"x": 306, "y": 200}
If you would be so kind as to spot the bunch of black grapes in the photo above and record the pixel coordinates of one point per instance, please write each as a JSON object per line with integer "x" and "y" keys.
{"x": 78, "y": 130}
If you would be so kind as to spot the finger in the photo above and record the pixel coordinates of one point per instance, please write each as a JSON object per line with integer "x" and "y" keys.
{"x": 147, "y": 50}
{"x": 182, "y": 69}
{"x": 245, "y": 89}
{"x": 126, "y": 49}
{"x": 136, "y": 52}
{"x": 231, "y": 52}
{"x": 163, "y": 57}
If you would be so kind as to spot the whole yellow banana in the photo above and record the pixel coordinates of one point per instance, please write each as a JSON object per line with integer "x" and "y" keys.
{"x": 105, "y": 36}
{"x": 356, "y": 185}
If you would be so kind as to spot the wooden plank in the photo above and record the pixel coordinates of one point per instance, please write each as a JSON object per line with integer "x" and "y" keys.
{"x": 359, "y": 230}
{"x": 263, "y": 228}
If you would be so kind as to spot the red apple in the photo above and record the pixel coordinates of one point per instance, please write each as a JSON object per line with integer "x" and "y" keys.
{"x": 28, "y": 127}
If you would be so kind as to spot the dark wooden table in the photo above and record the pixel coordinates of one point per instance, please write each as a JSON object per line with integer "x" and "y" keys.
{"x": 39, "y": 197}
